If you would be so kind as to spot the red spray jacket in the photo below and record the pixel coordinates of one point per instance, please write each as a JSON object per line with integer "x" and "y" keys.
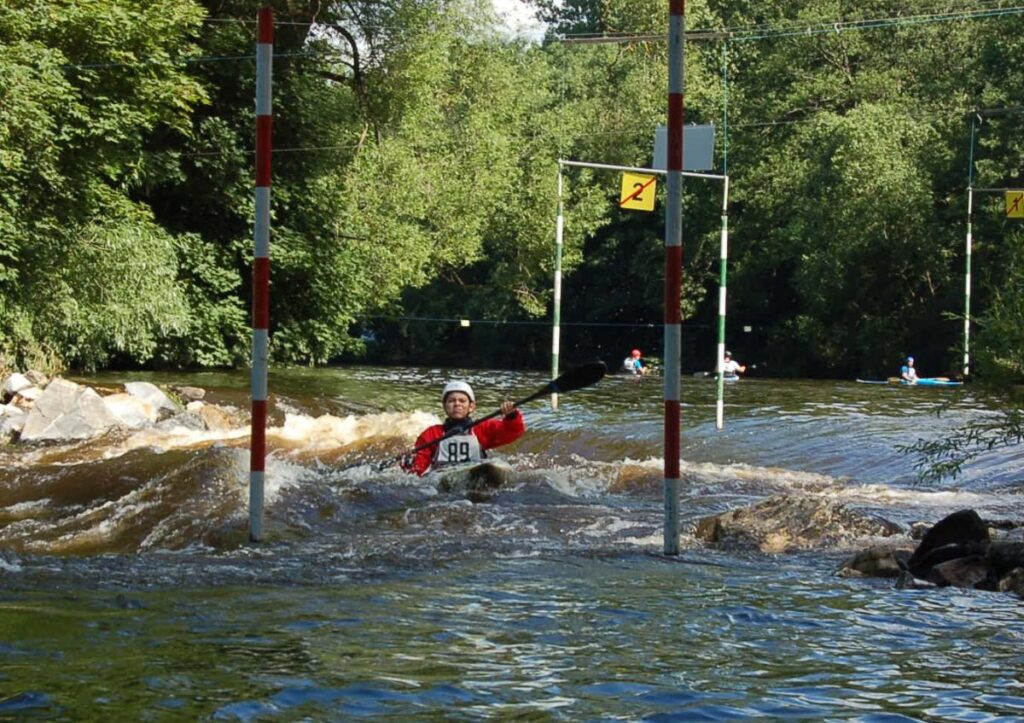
{"x": 491, "y": 433}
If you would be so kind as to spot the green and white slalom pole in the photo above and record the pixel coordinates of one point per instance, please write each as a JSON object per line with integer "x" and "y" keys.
{"x": 720, "y": 403}
{"x": 557, "y": 303}
{"x": 967, "y": 284}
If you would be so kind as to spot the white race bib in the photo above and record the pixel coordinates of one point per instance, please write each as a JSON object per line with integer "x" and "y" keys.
{"x": 458, "y": 449}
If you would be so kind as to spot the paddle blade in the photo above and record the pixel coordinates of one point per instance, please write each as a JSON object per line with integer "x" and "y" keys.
{"x": 576, "y": 378}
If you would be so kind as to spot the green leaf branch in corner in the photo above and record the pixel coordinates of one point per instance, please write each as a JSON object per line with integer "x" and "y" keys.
{"x": 945, "y": 458}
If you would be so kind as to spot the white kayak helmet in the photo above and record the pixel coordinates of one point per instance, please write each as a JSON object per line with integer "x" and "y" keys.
{"x": 458, "y": 387}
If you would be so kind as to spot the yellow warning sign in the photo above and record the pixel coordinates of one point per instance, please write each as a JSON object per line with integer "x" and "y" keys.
{"x": 637, "y": 192}
{"x": 1015, "y": 204}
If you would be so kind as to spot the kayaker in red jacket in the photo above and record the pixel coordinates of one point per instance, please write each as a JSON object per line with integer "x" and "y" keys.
{"x": 459, "y": 403}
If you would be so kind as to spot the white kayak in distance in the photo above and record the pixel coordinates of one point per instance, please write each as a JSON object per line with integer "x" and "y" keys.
{"x": 476, "y": 481}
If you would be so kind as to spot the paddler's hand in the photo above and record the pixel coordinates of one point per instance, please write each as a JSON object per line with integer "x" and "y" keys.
{"x": 508, "y": 408}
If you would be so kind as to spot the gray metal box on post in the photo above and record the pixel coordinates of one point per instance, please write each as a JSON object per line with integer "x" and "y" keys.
{"x": 698, "y": 148}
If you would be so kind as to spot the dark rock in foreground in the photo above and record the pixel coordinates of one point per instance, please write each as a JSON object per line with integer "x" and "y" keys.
{"x": 957, "y": 551}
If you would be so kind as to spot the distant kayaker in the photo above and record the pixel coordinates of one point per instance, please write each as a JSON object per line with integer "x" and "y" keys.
{"x": 634, "y": 363}
{"x": 731, "y": 367}
{"x": 907, "y": 372}
{"x": 472, "y": 441}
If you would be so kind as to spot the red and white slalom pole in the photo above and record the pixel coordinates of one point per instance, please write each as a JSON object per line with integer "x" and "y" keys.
{"x": 261, "y": 272}
{"x": 673, "y": 271}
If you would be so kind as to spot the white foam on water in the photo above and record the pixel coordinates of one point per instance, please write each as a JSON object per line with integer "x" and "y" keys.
{"x": 606, "y": 527}
{"x": 329, "y": 432}
{"x": 299, "y": 432}
{"x": 163, "y": 440}
{"x": 25, "y": 510}
{"x": 9, "y": 565}
{"x": 932, "y": 501}
{"x": 655, "y": 540}
{"x": 101, "y": 524}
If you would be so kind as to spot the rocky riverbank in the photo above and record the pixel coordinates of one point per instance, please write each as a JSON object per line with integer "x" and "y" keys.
{"x": 37, "y": 409}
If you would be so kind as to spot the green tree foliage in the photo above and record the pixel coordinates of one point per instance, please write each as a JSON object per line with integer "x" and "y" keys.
{"x": 415, "y": 175}
{"x": 86, "y": 271}
{"x": 847, "y": 152}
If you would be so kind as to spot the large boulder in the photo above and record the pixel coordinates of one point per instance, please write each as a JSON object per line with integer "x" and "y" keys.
{"x": 959, "y": 534}
{"x": 12, "y": 419}
{"x": 154, "y": 396}
{"x": 67, "y": 411}
{"x": 130, "y": 411}
{"x": 14, "y": 384}
{"x": 27, "y": 397}
{"x": 966, "y": 571}
{"x": 960, "y": 550}
{"x": 789, "y": 522}
{"x": 1006, "y": 556}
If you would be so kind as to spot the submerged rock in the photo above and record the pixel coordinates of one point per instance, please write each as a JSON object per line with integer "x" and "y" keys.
{"x": 788, "y": 522}
{"x": 877, "y": 561}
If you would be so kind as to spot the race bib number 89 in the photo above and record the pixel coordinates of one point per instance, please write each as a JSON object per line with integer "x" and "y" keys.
{"x": 459, "y": 449}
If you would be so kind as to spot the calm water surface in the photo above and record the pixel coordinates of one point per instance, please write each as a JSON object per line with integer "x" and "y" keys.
{"x": 128, "y": 590}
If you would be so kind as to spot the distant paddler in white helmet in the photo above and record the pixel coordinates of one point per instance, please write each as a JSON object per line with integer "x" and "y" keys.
{"x": 459, "y": 439}
{"x": 907, "y": 372}
{"x": 731, "y": 367}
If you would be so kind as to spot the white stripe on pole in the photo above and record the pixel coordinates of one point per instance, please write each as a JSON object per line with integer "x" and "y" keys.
{"x": 673, "y": 346}
{"x": 261, "y": 233}
{"x": 264, "y": 60}
{"x": 720, "y": 402}
{"x": 260, "y": 355}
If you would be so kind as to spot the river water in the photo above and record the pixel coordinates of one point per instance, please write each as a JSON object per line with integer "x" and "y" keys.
{"x": 128, "y": 589}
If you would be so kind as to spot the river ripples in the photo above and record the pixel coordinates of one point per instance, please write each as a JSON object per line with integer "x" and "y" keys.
{"x": 129, "y": 589}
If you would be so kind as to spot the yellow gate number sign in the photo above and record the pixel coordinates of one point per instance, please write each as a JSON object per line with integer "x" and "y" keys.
{"x": 1015, "y": 204}
{"x": 637, "y": 192}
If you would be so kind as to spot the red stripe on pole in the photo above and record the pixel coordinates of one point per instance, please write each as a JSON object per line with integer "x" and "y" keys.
{"x": 675, "y": 132}
{"x": 265, "y": 25}
{"x": 671, "y": 439}
{"x": 264, "y": 125}
{"x": 673, "y": 283}
{"x": 260, "y": 296}
{"x": 258, "y": 447}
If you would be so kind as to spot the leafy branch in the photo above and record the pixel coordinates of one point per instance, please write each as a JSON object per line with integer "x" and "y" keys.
{"x": 942, "y": 458}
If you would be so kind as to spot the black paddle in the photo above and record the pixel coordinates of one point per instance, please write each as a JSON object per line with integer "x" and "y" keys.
{"x": 576, "y": 378}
